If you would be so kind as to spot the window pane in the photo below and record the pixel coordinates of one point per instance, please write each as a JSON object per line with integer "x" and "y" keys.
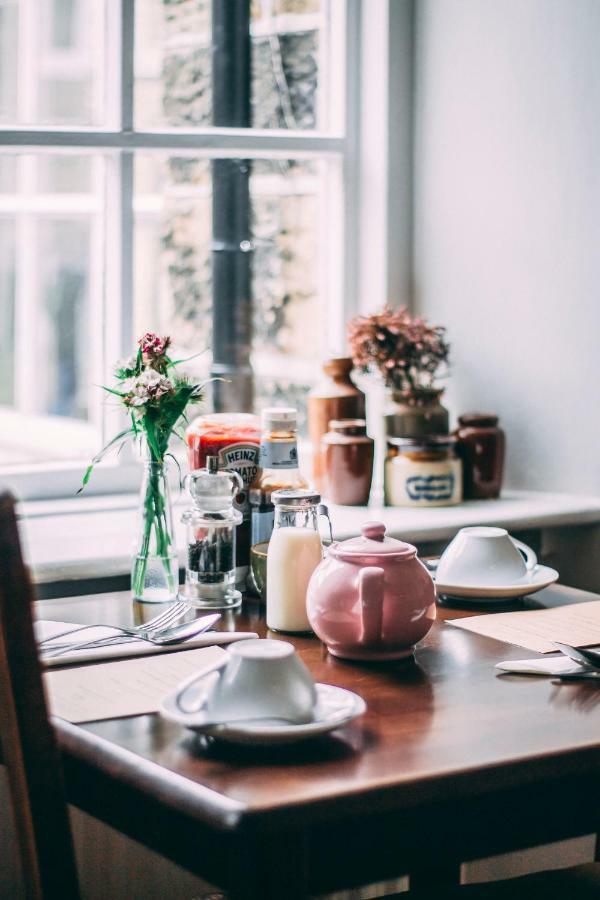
{"x": 50, "y": 305}
{"x": 173, "y": 263}
{"x": 52, "y": 62}
{"x": 289, "y": 63}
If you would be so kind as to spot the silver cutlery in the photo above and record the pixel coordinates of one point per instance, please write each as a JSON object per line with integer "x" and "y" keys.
{"x": 589, "y": 675}
{"x": 162, "y": 620}
{"x": 587, "y": 658}
{"x": 159, "y": 636}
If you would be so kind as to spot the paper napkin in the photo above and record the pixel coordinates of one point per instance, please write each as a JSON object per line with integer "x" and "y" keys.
{"x": 135, "y": 647}
{"x": 552, "y": 665}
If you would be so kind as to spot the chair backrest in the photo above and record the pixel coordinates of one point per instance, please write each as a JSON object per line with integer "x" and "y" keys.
{"x": 29, "y": 749}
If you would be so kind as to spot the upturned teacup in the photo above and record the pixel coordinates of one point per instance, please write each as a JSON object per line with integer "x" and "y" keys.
{"x": 484, "y": 556}
{"x": 260, "y": 679}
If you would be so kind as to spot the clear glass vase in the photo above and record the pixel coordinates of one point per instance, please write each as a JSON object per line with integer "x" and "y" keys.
{"x": 155, "y": 568}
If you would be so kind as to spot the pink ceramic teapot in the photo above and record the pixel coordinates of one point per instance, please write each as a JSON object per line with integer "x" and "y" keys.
{"x": 371, "y": 598}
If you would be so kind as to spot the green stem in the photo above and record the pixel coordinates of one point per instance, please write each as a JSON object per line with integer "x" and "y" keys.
{"x": 155, "y": 517}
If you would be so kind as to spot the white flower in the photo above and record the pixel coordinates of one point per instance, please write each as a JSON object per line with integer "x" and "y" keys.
{"x": 128, "y": 364}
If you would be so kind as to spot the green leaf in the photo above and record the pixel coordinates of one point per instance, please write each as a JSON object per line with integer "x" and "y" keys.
{"x": 112, "y": 391}
{"x": 178, "y": 362}
{"x": 121, "y": 436}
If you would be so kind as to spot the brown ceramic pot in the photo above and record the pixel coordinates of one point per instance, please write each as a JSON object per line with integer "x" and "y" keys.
{"x": 481, "y": 446}
{"x": 348, "y": 458}
{"x": 335, "y": 397}
{"x": 417, "y": 413}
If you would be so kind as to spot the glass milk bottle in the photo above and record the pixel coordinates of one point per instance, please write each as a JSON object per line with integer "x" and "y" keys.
{"x": 295, "y": 551}
{"x": 211, "y": 533}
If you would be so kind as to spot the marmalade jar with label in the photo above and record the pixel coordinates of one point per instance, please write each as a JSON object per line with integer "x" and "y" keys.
{"x": 234, "y": 438}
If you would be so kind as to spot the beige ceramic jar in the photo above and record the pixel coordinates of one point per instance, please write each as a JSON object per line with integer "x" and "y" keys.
{"x": 422, "y": 472}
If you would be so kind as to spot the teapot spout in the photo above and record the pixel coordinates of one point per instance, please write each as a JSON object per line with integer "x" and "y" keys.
{"x": 370, "y": 589}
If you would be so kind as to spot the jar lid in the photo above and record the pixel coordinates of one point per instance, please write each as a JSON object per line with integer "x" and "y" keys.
{"x": 343, "y": 425}
{"x": 427, "y": 442}
{"x": 282, "y": 418}
{"x": 295, "y": 497}
{"x": 372, "y": 542}
{"x": 484, "y": 420}
{"x": 224, "y": 424}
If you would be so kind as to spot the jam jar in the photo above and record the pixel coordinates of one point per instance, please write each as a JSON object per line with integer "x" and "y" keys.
{"x": 424, "y": 471}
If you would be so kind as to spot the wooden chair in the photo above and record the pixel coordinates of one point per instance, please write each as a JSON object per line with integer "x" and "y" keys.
{"x": 29, "y": 749}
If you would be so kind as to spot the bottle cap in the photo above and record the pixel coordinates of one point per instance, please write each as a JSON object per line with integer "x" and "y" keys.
{"x": 279, "y": 418}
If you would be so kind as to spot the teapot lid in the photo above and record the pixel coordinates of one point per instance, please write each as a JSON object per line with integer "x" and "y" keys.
{"x": 372, "y": 542}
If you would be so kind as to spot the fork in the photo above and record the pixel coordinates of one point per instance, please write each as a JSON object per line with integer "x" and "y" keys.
{"x": 159, "y": 622}
{"x": 159, "y": 636}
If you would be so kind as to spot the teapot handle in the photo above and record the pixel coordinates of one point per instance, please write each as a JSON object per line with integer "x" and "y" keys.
{"x": 370, "y": 590}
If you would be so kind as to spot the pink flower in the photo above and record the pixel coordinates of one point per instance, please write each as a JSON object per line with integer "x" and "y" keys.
{"x": 153, "y": 346}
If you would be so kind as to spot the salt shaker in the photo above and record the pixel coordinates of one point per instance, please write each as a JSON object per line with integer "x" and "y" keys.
{"x": 211, "y": 530}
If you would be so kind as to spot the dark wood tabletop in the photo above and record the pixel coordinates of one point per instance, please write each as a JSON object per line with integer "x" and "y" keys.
{"x": 452, "y": 761}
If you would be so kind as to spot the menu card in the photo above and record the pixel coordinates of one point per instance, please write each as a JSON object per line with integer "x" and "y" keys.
{"x": 132, "y": 687}
{"x": 577, "y": 624}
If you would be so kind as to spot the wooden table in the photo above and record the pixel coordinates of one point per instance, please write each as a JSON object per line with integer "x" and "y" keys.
{"x": 451, "y": 762}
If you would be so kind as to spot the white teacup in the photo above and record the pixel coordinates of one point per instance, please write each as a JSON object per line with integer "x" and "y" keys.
{"x": 259, "y": 679}
{"x": 481, "y": 556}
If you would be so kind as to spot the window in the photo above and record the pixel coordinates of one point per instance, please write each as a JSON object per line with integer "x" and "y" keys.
{"x": 152, "y": 179}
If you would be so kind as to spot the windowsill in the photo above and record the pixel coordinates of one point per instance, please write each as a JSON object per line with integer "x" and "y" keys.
{"x": 91, "y": 538}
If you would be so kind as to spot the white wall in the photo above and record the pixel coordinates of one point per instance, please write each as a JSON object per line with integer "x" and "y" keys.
{"x": 507, "y": 221}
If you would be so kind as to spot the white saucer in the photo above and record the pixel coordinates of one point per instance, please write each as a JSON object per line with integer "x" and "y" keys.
{"x": 540, "y": 577}
{"x": 335, "y": 708}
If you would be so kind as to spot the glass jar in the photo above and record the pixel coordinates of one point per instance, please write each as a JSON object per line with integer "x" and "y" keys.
{"x": 422, "y": 472}
{"x": 295, "y": 551}
{"x": 211, "y": 536}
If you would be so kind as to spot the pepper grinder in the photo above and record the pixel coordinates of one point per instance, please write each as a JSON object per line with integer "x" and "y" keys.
{"x": 211, "y": 528}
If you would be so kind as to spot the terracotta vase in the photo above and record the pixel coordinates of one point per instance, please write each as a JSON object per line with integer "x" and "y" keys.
{"x": 416, "y": 413}
{"x": 481, "y": 446}
{"x": 335, "y": 397}
{"x": 348, "y": 453}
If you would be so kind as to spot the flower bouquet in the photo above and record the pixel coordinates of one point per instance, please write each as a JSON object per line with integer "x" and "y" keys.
{"x": 155, "y": 397}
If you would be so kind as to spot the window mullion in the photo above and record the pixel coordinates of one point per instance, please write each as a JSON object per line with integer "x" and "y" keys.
{"x": 126, "y": 64}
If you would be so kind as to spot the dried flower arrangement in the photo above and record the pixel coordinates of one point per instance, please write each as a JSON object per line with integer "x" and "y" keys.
{"x": 406, "y": 350}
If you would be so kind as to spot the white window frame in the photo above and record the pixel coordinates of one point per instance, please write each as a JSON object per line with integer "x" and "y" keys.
{"x": 368, "y": 236}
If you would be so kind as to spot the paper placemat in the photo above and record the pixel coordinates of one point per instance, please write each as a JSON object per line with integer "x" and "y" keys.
{"x": 131, "y": 687}
{"x": 131, "y": 647}
{"x": 577, "y": 624}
